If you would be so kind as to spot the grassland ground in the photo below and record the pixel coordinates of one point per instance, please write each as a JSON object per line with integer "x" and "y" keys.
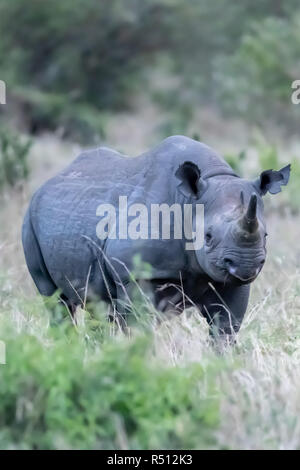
{"x": 91, "y": 387}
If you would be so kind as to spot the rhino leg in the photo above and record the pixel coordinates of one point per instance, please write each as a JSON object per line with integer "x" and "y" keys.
{"x": 71, "y": 306}
{"x": 35, "y": 260}
{"x": 224, "y": 309}
{"x": 168, "y": 297}
{"x": 121, "y": 304}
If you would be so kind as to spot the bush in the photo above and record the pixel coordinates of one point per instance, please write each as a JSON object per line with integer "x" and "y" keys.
{"x": 70, "y": 60}
{"x": 255, "y": 82}
{"x": 14, "y": 151}
{"x": 61, "y": 389}
{"x": 85, "y": 49}
{"x": 77, "y": 52}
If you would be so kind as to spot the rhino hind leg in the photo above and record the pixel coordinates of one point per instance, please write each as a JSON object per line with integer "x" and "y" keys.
{"x": 71, "y": 306}
{"x": 35, "y": 260}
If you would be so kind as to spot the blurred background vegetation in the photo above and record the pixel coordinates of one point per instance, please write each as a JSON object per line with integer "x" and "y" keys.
{"x": 69, "y": 63}
{"x": 128, "y": 73}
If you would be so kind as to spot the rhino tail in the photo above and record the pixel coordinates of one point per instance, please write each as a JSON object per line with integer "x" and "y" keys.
{"x": 35, "y": 260}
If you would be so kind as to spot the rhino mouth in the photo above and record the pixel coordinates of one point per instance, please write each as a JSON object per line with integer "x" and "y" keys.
{"x": 233, "y": 277}
{"x": 234, "y": 273}
{"x": 239, "y": 280}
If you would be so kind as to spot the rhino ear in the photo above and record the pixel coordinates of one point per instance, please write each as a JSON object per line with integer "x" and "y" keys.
{"x": 189, "y": 176}
{"x": 271, "y": 180}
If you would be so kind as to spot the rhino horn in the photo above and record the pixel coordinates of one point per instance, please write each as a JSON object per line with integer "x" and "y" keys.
{"x": 249, "y": 221}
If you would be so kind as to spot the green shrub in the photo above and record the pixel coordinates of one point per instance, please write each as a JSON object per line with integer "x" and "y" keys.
{"x": 77, "y": 53}
{"x": 64, "y": 390}
{"x": 86, "y": 49}
{"x": 80, "y": 122}
{"x": 255, "y": 82}
{"x": 14, "y": 151}
{"x": 99, "y": 54}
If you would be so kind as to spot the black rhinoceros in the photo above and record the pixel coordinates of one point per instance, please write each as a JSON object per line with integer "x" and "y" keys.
{"x": 64, "y": 251}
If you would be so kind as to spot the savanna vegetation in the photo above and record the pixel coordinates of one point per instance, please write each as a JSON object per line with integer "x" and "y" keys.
{"x": 128, "y": 73}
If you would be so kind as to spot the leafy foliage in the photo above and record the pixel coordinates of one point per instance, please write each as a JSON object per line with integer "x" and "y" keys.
{"x": 70, "y": 60}
{"x": 261, "y": 71}
{"x": 66, "y": 391}
{"x": 14, "y": 151}
{"x": 76, "y": 52}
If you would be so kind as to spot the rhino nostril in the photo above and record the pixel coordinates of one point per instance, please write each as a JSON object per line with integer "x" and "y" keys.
{"x": 262, "y": 262}
{"x": 228, "y": 261}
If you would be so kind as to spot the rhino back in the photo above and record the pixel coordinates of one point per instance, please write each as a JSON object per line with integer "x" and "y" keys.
{"x": 175, "y": 150}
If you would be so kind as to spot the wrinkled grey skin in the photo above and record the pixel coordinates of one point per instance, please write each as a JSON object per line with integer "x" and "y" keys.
{"x": 63, "y": 251}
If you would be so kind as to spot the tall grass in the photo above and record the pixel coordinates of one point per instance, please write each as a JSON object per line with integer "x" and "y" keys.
{"x": 89, "y": 386}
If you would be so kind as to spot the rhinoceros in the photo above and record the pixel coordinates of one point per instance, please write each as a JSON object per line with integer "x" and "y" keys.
{"x": 63, "y": 251}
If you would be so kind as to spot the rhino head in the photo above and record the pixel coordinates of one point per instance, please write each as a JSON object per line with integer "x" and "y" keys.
{"x": 234, "y": 248}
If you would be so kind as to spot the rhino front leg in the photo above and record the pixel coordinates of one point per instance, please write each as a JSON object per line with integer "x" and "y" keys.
{"x": 224, "y": 308}
{"x": 121, "y": 305}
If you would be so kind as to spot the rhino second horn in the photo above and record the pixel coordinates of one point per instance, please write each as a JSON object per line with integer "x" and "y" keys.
{"x": 242, "y": 198}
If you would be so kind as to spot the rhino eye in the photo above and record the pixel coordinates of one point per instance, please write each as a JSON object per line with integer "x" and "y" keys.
{"x": 208, "y": 238}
